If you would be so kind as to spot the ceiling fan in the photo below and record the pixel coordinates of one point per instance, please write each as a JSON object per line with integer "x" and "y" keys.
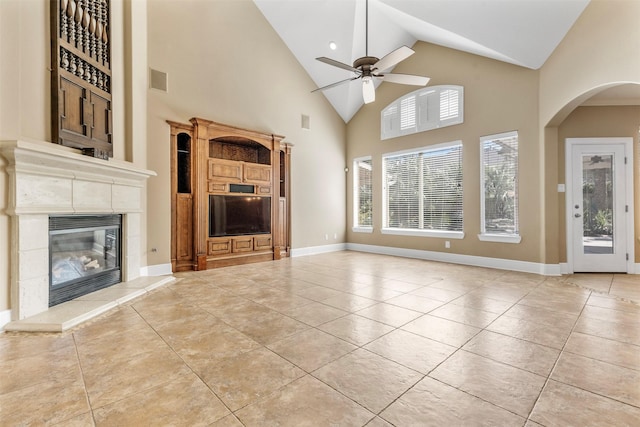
{"x": 369, "y": 67}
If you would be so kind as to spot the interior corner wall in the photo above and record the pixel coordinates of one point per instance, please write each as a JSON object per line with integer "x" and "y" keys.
{"x": 134, "y": 53}
{"x": 225, "y": 63}
{"x": 498, "y": 97}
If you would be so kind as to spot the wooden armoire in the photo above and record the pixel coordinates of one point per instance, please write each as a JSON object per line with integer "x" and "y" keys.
{"x": 230, "y": 196}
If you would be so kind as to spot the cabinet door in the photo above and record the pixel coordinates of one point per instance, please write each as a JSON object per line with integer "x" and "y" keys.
{"x": 184, "y": 229}
{"x": 226, "y": 170}
{"x": 242, "y": 244}
{"x": 257, "y": 174}
{"x": 219, "y": 246}
{"x": 262, "y": 242}
{"x": 281, "y": 239}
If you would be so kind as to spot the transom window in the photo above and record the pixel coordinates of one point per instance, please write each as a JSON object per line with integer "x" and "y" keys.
{"x": 423, "y": 191}
{"x": 422, "y": 110}
{"x": 499, "y": 187}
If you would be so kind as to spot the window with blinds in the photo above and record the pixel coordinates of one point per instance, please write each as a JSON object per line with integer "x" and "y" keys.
{"x": 449, "y": 104}
{"x": 423, "y": 191}
{"x": 499, "y": 185}
{"x": 408, "y": 113}
{"x": 422, "y": 110}
{"x": 362, "y": 195}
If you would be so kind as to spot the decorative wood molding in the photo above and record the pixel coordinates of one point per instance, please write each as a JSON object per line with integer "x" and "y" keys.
{"x": 81, "y": 114}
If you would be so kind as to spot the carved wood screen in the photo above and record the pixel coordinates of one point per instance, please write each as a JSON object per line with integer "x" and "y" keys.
{"x": 81, "y": 76}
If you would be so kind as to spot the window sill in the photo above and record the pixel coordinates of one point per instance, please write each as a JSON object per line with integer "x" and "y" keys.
{"x": 500, "y": 238}
{"x": 424, "y": 233}
{"x": 362, "y": 229}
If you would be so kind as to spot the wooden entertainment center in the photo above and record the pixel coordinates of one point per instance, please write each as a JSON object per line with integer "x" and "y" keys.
{"x": 230, "y": 196}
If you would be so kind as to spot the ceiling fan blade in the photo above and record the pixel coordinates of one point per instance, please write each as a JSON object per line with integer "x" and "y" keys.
{"x": 391, "y": 59}
{"x": 337, "y": 64}
{"x": 405, "y": 79}
{"x": 335, "y": 84}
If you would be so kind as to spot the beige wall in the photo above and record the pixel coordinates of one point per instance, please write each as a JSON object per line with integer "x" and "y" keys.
{"x": 593, "y": 122}
{"x": 498, "y": 97}
{"x": 225, "y": 63}
{"x": 600, "y": 51}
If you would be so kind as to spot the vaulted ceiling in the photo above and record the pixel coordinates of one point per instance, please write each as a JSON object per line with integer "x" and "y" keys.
{"x": 521, "y": 32}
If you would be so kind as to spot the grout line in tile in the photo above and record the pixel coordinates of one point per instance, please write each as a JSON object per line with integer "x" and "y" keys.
{"x": 555, "y": 364}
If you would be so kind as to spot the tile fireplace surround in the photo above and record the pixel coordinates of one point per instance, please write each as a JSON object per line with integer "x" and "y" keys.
{"x": 48, "y": 179}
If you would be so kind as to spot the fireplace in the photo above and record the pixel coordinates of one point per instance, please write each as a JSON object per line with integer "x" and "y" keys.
{"x": 50, "y": 183}
{"x": 84, "y": 255}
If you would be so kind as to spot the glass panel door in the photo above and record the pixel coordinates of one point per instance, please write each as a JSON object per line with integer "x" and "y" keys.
{"x": 597, "y": 203}
{"x": 596, "y": 206}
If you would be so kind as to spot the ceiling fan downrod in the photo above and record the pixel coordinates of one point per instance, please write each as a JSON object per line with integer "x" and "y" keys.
{"x": 366, "y": 28}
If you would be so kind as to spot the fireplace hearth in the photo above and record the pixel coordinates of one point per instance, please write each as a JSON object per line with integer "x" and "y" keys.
{"x": 84, "y": 255}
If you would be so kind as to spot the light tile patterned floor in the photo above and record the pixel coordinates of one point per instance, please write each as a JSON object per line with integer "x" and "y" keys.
{"x": 341, "y": 339}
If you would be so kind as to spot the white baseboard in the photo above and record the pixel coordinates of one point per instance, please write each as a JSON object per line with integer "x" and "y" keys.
{"x": 5, "y": 317}
{"x": 564, "y": 268}
{"x": 314, "y": 250}
{"x": 156, "y": 270}
{"x": 477, "y": 261}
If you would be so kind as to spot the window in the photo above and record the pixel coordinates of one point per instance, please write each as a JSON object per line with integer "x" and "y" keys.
{"x": 499, "y": 188}
{"x": 408, "y": 113}
{"x": 362, "y": 195}
{"x": 449, "y": 103}
{"x": 421, "y": 110}
{"x": 423, "y": 191}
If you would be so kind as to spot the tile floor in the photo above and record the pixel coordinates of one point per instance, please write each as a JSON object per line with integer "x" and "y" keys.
{"x": 341, "y": 339}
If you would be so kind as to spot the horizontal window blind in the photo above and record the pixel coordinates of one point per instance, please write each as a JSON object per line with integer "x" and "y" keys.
{"x": 408, "y": 113}
{"x": 363, "y": 183}
{"x": 499, "y": 158}
{"x": 423, "y": 189}
{"x": 449, "y": 103}
{"x": 442, "y": 193}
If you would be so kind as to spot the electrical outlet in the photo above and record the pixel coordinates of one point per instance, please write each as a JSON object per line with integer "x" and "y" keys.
{"x": 335, "y": 236}
{"x": 326, "y": 237}
{"x": 447, "y": 244}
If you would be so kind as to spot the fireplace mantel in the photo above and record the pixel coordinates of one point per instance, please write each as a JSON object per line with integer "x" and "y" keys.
{"x": 48, "y": 179}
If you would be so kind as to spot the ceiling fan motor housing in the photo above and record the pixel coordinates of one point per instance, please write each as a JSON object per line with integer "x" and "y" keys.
{"x": 365, "y": 63}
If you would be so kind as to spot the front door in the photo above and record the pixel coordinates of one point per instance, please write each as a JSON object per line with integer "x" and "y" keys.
{"x": 597, "y": 204}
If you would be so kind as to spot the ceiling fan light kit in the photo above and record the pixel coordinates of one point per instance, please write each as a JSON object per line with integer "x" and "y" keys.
{"x": 368, "y": 67}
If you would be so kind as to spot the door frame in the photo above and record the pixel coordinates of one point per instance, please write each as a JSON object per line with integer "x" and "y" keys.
{"x": 629, "y": 217}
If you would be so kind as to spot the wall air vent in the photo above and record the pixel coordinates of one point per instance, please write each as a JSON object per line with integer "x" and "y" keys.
{"x": 305, "y": 122}
{"x": 158, "y": 80}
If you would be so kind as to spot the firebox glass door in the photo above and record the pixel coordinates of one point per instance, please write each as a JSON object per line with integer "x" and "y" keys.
{"x": 84, "y": 255}
{"x": 79, "y": 254}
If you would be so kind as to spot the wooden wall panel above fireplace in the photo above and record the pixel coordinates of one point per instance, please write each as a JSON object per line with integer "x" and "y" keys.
{"x": 81, "y": 115}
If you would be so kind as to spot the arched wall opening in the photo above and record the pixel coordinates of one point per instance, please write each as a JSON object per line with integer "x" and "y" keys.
{"x": 590, "y": 114}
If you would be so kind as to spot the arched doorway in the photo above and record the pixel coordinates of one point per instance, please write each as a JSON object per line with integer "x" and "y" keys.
{"x": 581, "y": 134}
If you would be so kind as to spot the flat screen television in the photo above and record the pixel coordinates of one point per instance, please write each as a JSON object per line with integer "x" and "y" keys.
{"x": 239, "y": 215}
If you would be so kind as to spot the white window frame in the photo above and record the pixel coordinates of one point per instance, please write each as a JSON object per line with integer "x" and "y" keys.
{"x": 410, "y": 231}
{"x": 496, "y": 237}
{"x": 424, "y": 109}
{"x": 357, "y": 227}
